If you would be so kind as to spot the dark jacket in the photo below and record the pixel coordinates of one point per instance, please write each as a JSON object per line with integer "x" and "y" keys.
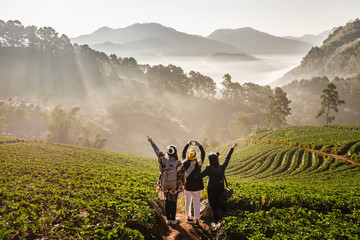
{"x": 194, "y": 181}
{"x": 216, "y": 173}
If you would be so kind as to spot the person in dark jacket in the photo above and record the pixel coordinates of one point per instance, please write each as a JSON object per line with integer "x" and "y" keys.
{"x": 215, "y": 187}
{"x": 194, "y": 182}
{"x": 170, "y": 195}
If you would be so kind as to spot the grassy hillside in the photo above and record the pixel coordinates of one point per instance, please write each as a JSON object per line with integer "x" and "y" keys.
{"x": 284, "y": 189}
{"x": 57, "y": 191}
{"x": 293, "y": 183}
{"x": 337, "y": 57}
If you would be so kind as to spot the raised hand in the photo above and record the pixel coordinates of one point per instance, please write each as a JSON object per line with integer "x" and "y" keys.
{"x": 149, "y": 139}
{"x": 234, "y": 145}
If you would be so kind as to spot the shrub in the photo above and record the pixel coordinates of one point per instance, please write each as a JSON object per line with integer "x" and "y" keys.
{"x": 327, "y": 148}
{"x": 355, "y": 157}
{"x": 354, "y": 148}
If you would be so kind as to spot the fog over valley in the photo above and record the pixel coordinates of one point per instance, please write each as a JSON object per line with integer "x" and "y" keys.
{"x": 263, "y": 72}
{"x": 110, "y": 88}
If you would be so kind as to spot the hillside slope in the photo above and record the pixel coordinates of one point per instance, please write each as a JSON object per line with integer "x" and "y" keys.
{"x": 287, "y": 189}
{"x": 57, "y": 191}
{"x": 339, "y": 56}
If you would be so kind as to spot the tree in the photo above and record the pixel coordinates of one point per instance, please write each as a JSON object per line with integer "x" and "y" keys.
{"x": 95, "y": 142}
{"x": 278, "y": 108}
{"x": 62, "y": 123}
{"x": 203, "y": 86}
{"x": 330, "y": 101}
{"x": 130, "y": 65}
{"x": 232, "y": 91}
{"x": 169, "y": 78}
{"x": 256, "y": 95}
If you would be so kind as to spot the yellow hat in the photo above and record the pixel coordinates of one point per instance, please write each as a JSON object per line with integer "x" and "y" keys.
{"x": 191, "y": 154}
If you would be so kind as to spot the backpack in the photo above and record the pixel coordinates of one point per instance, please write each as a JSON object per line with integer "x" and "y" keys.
{"x": 169, "y": 175}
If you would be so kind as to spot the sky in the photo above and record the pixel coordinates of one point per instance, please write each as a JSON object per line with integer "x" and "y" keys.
{"x": 199, "y": 17}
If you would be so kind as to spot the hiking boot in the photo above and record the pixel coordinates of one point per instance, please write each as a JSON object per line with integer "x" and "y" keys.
{"x": 190, "y": 220}
{"x": 197, "y": 224}
{"x": 173, "y": 222}
{"x": 168, "y": 222}
{"x": 213, "y": 225}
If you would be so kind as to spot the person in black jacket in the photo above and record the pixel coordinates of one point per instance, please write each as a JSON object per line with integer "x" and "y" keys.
{"x": 194, "y": 182}
{"x": 215, "y": 187}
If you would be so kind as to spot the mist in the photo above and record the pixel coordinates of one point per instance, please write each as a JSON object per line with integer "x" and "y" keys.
{"x": 54, "y": 90}
{"x": 263, "y": 72}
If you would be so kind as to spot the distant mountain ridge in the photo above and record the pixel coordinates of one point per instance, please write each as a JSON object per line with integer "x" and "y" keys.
{"x": 255, "y": 42}
{"x": 156, "y": 39}
{"x": 339, "y": 56}
{"x": 315, "y": 40}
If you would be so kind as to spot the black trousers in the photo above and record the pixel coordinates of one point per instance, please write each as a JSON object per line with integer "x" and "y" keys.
{"x": 170, "y": 209}
{"x": 216, "y": 204}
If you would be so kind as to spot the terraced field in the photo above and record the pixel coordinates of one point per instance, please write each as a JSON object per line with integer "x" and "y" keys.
{"x": 287, "y": 189}
{"x": 294, "y": 183}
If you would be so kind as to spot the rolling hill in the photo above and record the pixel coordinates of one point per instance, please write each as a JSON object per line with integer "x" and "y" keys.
{"x": 287, "y": 184}
{"x": 338, "y": 56}
{"x": 315, "y": 40}
{"x": 255, "y": 42}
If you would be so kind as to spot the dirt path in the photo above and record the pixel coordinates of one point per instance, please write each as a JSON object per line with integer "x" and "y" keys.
{"x": 182, "y": 230}
{"x": 341, "y": 157}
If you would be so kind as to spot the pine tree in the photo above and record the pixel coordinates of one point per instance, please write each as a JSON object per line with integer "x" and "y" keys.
{"x": 330, "y": 101}
{"x": 278, "y": 108}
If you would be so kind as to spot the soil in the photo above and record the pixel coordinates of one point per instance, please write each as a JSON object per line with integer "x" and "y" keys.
{"x": 182, "y": 230}
{"x": 342, "y": 157}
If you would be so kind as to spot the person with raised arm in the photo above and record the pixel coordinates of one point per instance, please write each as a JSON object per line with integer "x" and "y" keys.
{"x": 215, "y": 187}
{"x": 171, "y": 179}
{"x": 194, "y": 182}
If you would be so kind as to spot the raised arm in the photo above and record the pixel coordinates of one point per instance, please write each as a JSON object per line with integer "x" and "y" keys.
{"x": 183, "y": 156}
{"x": 228, "y": 156}
{"x": 202, "y": 153}
{"x": 160, "y": 155}
{"x": 156, "y": 149}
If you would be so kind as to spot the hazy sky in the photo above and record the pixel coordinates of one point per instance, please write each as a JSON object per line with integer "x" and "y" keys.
{"x": 201, "y": 17}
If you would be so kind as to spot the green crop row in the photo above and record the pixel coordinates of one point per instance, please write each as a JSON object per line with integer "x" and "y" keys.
{"x": 56, "y": 191}
{"x": 343, "y": 127}
{"x": 306, "y": 137}
{"x": 300, "y": 195}
{"x": 293, "y": 223}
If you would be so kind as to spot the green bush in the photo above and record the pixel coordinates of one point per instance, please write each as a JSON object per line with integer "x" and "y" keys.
{"x": 355, "y": 148}
{"x": 355, "y": 157}
{"x": 327, "y": 148}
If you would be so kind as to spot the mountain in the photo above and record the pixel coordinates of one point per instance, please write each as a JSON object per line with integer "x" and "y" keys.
{"x": 255, "y": 42}
{"x": 154, "y": 38}
{"x": 339, "y": 56}
{"x": 315, "y": 40}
